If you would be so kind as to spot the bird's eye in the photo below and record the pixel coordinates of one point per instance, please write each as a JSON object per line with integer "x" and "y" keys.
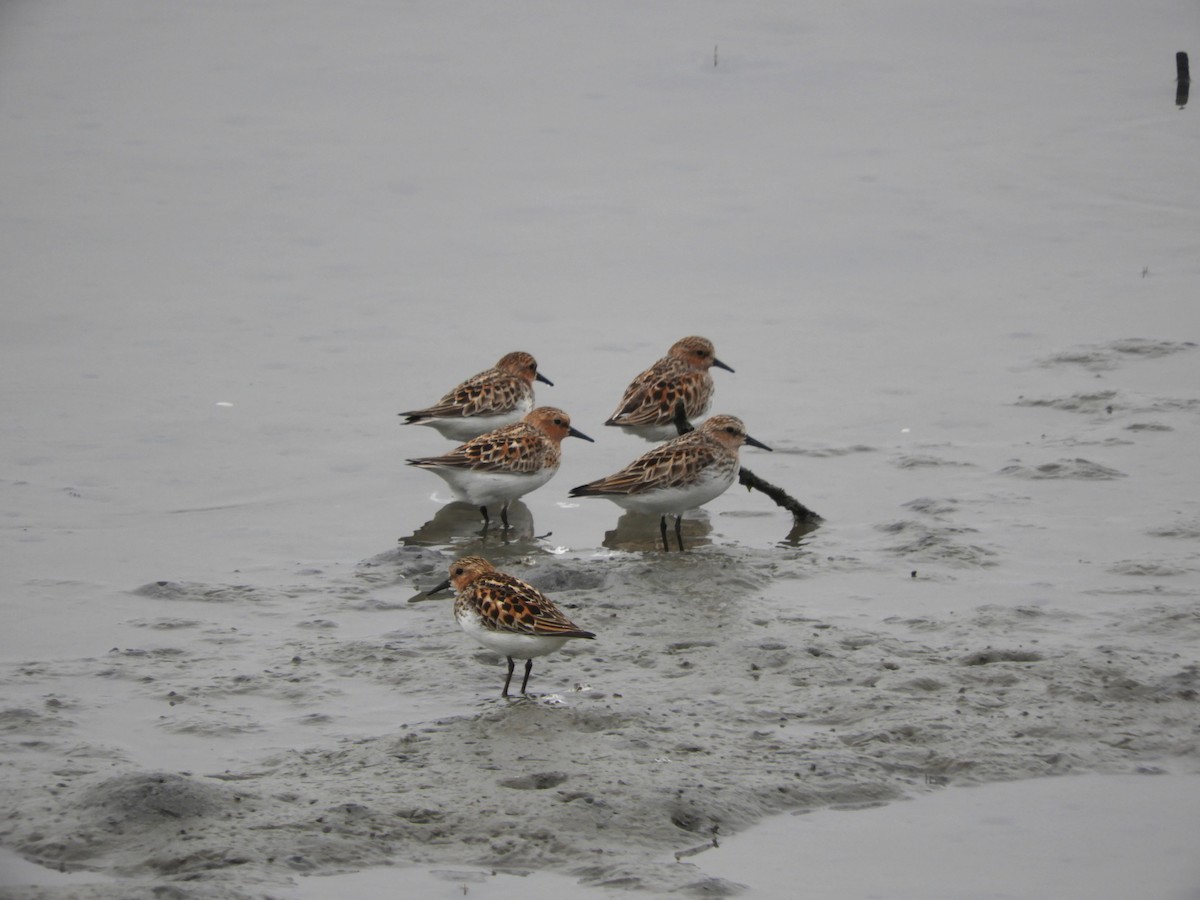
{"x": 459, "y": 570}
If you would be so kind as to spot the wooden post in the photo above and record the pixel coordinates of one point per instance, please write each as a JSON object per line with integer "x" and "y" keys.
{"x": 1183, "y": 80}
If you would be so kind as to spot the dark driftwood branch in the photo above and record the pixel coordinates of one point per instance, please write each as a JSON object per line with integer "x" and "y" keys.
{"x": 802, "y": 514}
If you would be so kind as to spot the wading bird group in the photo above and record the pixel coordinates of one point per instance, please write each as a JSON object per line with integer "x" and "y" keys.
{"x": 510, "y": 447}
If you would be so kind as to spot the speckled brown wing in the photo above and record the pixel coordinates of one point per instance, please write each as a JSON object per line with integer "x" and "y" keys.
{"x": 673, "y": 464}
{"x": 484, "y": 394}
{"x": 650, "y": 399}
{"x": 515, "y": 448}
{"x": 646, "y": 393}
{"x": 506, "y": 603}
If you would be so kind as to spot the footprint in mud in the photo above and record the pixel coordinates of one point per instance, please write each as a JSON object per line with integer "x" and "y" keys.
{"x": 538, "y": 781}
{"x": 919, "y": 540}
{"x": 1078, "y": 468}
{"x": 205, "y": 593}
{"x": 1185, "y": 528}
{"x": 1093, "y": 402}
{"x": 1153, "y": 568}
{"x": 925, "y": 461}
{"x": 997, "y": 655}
{"x": 933, "y": 506}
{"x": 1103, "y": 357}
{"x": 1108, "y": 403}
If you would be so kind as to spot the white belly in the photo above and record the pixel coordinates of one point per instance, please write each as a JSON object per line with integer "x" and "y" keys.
{"x": 654, "y": 433}
{"x": 518, "y": 646}
{"x": 462, "y": 429}
{"x": 490, "y": 488}
{"x": 675, "y": 499}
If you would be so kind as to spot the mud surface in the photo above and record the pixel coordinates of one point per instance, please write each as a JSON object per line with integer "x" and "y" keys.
{"x": 951, "y": 259}
{"x": 712, "y": 699}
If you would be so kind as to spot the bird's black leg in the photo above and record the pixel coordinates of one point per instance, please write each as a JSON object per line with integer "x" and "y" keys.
{"x": 486, "y": 519}
{"x": 528, "y": 669}
{"x": 508, "y": 680}
{"x": 679, "y": 530}
{"x": 662, "y": 526}
{"x": 504, "y": 515}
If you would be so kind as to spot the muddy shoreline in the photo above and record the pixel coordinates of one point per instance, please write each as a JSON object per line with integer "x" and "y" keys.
{"x": 701, "y": 709}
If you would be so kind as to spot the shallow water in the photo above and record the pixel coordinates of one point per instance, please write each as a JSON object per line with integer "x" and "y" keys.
{"x": 960, "y": 312}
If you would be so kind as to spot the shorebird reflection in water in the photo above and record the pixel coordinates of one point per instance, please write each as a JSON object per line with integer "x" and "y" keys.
{"x": 456, "y": 524}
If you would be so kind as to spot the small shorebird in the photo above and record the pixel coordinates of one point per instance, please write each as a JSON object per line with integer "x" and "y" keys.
{"x": 492, "y": 399}
{"x": 502, "y": 465}
{"x": 679, "y": 475}
{"x": 648, "y": 407}
{"x": 505, "y": 614}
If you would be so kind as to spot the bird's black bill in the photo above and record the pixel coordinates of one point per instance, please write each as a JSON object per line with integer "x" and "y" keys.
{"x": 543, "y": 379}
{"x": 759, "y": 444}
{"x": 427, "y": 595}
{"x": 575, "y": 432}
{"x": 721, "y": 365}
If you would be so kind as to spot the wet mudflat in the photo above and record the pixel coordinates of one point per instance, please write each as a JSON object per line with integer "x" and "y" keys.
{"x": 978, "y": 363}
{"x": 728, "y": 683}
